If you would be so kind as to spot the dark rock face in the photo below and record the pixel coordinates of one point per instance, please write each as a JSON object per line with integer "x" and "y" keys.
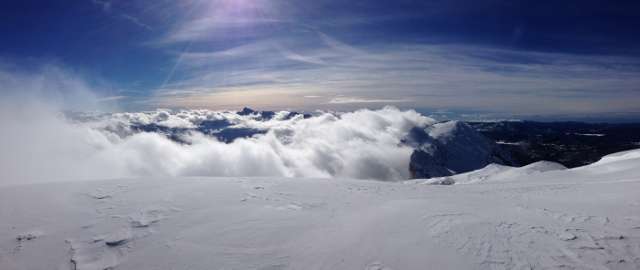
{"x": 175, "y": 134}
{"x": 262, "y": 115}
{"x": 231, "y": 134}
{"x": 208, "y": 125}
{"x": 224, "y": 131}
{"x": 246, "y": 111}
{"x": 442, "y": 150}
{"x": 572, "y": 144}
{"x": 450, "y": 148}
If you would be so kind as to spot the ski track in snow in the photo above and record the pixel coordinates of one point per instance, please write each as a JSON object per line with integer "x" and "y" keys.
{"x": 275, "y": 223}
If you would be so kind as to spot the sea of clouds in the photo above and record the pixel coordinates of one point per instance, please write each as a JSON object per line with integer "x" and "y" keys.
{"x": 44, "y": 145}
{"x": 41, "y": 141}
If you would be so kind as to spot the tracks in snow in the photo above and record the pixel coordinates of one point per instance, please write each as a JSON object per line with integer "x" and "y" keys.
{"x": 114, "y": 233}
{"x": 538, "y": 237}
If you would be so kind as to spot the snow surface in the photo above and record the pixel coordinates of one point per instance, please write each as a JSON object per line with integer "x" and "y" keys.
{"x": 497, "y": 172}
{"x": 536, "y": 217}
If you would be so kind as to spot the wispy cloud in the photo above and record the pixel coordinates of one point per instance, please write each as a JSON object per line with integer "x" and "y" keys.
{"x": 350, "y": 100}
{"x": 250, "y": 50}
{"x": 339, "y": 46}
{"x": 221, "y": 19}
{"x": 136, "y": 21}
{"x": 434, "y": 76}
{"x": 114, "y": 11}
{"x": 209, "y": 27}
{"x": 111, "y": 98}
{"x": 302, "y": 58}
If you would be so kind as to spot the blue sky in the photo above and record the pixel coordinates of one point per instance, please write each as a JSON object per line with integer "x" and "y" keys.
{"x": 483, "y": 57}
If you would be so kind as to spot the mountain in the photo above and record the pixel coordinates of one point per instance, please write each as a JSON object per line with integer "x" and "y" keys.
{"x": 268, "y": 115}
{"x": 426, "y": 148}
{"x": 454, "y": 147}
{"x": 572, "y": 144}
{"x": 451, "y": 147}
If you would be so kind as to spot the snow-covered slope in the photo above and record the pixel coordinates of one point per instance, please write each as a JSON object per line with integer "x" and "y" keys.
{"x": 497, "y": 172}
{"x": 449, "y": 148}
{"x": 585, "y": 218}
{"x": 623, "y": 163}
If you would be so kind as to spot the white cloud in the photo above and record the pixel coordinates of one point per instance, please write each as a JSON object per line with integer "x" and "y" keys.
{"x": 40, "y": 144}
{"x": 49, "y": 85}
{"x": 364, "y": 144}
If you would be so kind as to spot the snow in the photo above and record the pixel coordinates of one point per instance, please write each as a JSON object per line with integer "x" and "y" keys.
{"x": 443, "y": 130}
{"x": 591, "y": 134}
{"x": 497, "y": 172}
{"x": 508, "y": 143}
{"x": 617, "y": 157}
{"x": 541, "y": 216}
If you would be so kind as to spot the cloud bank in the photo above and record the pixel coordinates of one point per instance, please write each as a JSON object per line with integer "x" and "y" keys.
{"x": 51, "y": 132}
{"x": 41, "y": 145}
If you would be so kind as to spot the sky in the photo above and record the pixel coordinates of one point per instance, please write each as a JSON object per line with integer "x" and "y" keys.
{"x": 483, "y": 58}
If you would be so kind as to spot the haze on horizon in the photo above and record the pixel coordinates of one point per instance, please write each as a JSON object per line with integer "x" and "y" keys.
{"x": 500, "y": 58}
